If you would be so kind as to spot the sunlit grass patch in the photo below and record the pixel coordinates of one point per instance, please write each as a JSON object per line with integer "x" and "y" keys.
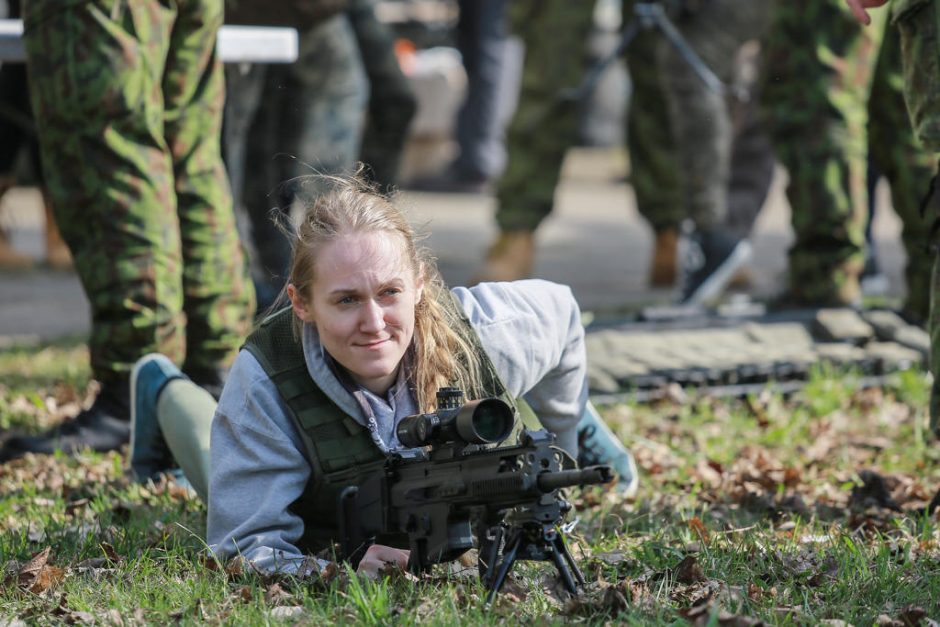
{"x": 787, "y": 509}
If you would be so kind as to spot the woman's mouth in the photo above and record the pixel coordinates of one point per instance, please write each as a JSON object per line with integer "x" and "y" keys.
{"x": 374, "y": 344}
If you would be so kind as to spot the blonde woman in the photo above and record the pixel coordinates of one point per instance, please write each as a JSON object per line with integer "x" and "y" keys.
{"x": 314, "y": 397}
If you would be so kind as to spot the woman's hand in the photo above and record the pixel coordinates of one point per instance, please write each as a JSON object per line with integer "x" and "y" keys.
{"x": 858, "y": 9}
{"x": 378, "y": 557}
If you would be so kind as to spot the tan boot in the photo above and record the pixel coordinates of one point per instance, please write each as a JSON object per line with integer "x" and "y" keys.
{"x": 10, "y": 258}
{"x": 510, "y": 258}
{"x": 58, "y": 255}
{"x": 663, "y": 264}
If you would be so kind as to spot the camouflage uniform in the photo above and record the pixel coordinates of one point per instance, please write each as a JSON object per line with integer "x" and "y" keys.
{"x": 918, "y": 23}
{"x": 650, "y": 139}
{"x": 896, "y": 152}
{"x": 392, "y": 102}
{"x": 128, "y": 102}
{"x": 552, "y": 30}
{"x": 817, "y": 94}
{"x": 311, "y": 118}
{"x": 308, "y": 120}
{"x": 554, "y": 33}
{"x": 700, "y": 116}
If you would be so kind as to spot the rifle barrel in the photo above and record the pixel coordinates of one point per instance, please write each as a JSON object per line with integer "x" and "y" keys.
{"x": 591, "y": 475}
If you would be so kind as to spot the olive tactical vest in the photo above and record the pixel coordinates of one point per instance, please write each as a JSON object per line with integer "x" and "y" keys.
{"x": 340, "y": 450}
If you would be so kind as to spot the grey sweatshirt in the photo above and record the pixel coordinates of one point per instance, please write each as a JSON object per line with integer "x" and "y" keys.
{"x": 532, "y": 332}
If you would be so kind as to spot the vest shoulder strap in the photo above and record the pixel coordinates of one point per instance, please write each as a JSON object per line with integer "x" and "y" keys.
{"x": 333, "y": 440}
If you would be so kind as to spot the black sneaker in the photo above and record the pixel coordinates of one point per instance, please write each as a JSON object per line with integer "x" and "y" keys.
{"x": 102, "y": 427}
{"x": 708, "y": 262}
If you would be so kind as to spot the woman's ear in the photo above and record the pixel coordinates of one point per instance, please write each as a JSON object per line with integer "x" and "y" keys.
{"x": 301, "y": 309}
{"x": 419, "y": 285}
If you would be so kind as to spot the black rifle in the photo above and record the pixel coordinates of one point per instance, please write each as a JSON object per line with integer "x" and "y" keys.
{"x": 510, "y": 495}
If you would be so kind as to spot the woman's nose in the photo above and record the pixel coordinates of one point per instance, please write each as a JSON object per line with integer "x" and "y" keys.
{"x": 373, "y": 317}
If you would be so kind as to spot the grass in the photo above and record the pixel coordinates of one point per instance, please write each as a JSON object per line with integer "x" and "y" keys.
{"x": 785, "y": 510}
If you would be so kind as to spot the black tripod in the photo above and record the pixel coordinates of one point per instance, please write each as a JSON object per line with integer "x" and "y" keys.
{"x": 528, "y": 540}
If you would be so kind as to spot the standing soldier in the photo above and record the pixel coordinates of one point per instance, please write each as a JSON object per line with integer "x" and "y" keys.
{"x": 128, "y": 102}
{"x": 544, "y": 128}
{"x": 284, "y": 122}
{"x": 554, "y": 33}
{"x": 827, "y": 109}
{"x": 701, "y": 117}
{"x": 918, "y": 23}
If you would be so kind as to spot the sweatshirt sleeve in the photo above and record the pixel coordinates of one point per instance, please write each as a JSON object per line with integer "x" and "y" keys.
{"x": 532, "y": 332}
{"x": 257, "y": 471}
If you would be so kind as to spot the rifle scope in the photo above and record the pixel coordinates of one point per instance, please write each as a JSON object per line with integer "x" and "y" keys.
{"x": 483, "y": 421}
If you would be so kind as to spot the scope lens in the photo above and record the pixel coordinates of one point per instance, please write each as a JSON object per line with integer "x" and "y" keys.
{"x": 491, "y": 421}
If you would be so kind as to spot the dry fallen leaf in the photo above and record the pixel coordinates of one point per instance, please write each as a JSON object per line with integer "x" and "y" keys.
{"x": 110, "y": 554}
{"x": 688, "y": 571}
{"x": 695, "y": 524}
{"x": 37, "y": 575}
{"x": 235, "y": 567}
{"x": 244, "y": 593}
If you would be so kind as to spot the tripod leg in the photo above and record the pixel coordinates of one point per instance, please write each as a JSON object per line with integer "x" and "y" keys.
{"x": 562, "y": 547}
{"x": 489, "y": 552}
{"x": 509, "y": 558}
{"x": 563, "y": 569}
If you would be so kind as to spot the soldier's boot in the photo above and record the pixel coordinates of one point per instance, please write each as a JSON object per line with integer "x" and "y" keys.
{"x": 510, "y": 258}
{"x": 815, "y": 282}
{"x": 663, "y": 265}
{"x": 57, "y": 251}
{"x": 10, "y": 258}
{"x": 102, "y": 427}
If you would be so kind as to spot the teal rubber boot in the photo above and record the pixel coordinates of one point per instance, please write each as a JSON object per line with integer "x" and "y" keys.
{"x": 597, "y": 444}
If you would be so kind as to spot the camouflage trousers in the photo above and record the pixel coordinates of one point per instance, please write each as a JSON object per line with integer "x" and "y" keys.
{"x": 918, "y": 23}
{"x": 701, "y": 116}
{"x": 828, "y": 111}
{"x": 392, "y": 102}
{"x": 651, "y": 140}
{"x": 554, "y": 35}
{"x": 128, "y": 103}
{"x": 286, "y": 123}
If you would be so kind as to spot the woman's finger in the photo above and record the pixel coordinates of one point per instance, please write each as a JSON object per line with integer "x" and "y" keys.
{"x": 379, "y": 556}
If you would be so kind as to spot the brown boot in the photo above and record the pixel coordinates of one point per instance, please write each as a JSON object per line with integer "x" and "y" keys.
{"x": 10, "y": 258}
{"x": 663, "y": 264}
{"x": 509, "y": 258}
{"x": 57, "y": 251}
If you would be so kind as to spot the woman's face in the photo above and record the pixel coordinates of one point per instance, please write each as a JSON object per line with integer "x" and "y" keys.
{"x": 362, "y": 302}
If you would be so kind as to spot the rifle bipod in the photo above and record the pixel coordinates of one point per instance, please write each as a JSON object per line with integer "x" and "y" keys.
{"x": 530, "y": 540}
